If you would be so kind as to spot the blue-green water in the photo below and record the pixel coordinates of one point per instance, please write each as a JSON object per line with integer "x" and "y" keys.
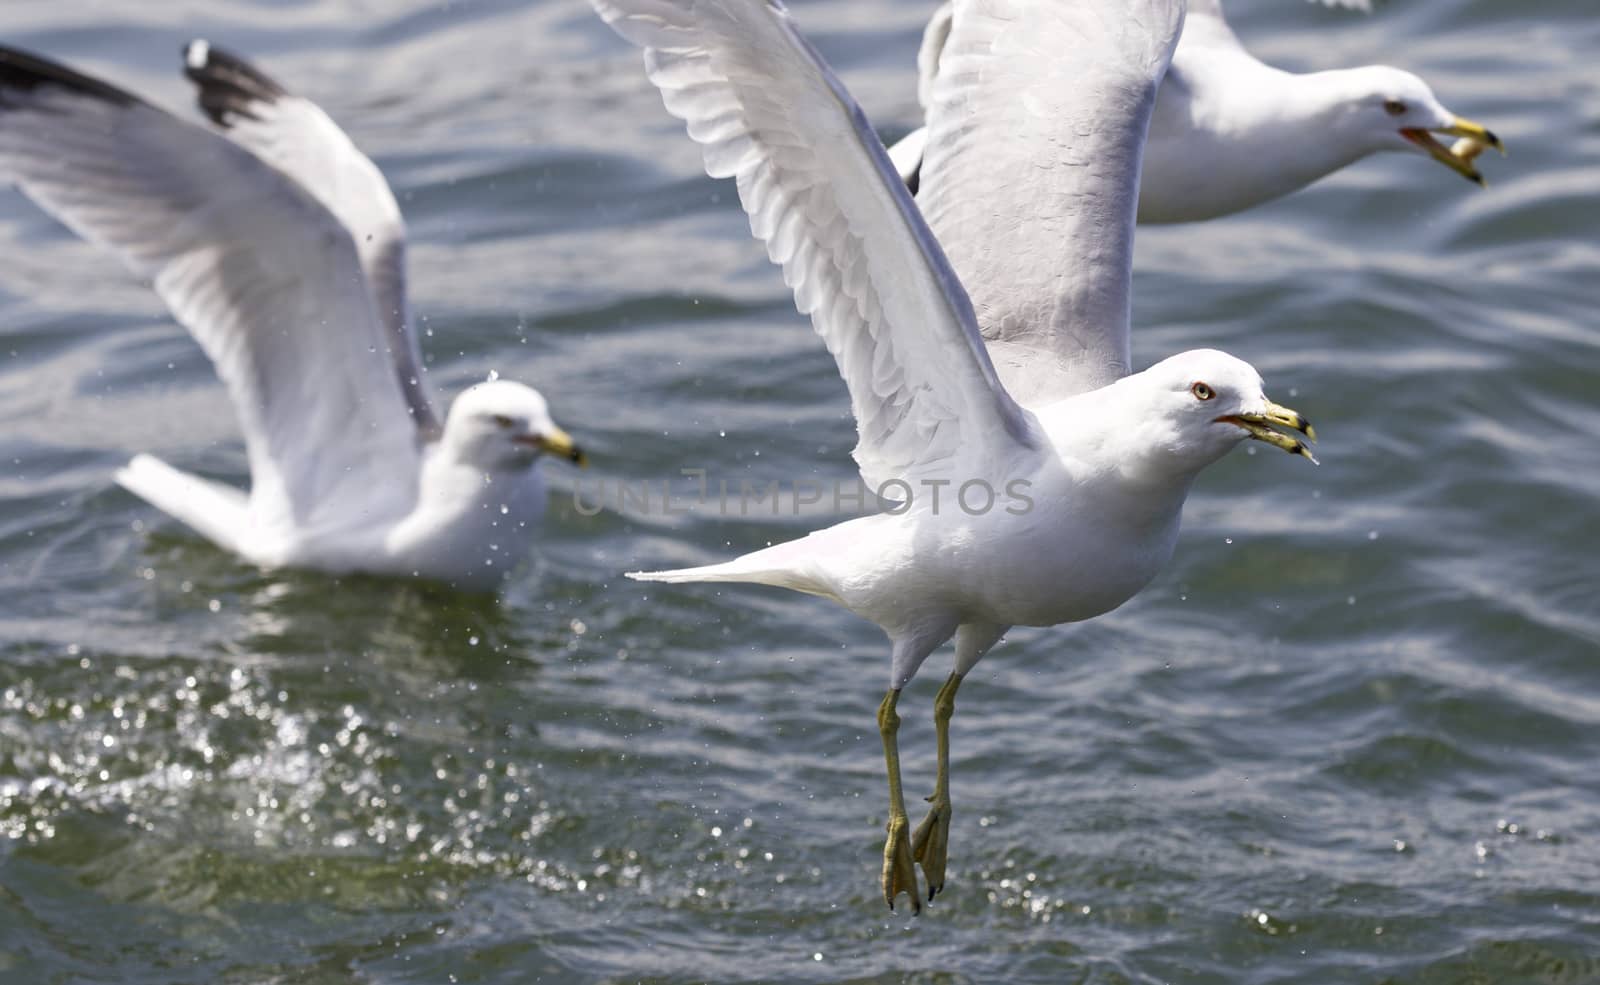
{"x": 1350, "y": 735}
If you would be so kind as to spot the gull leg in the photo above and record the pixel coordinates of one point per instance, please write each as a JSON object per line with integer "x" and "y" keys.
{"x": 931, "y": 843}
{"x": 899, "y": 874}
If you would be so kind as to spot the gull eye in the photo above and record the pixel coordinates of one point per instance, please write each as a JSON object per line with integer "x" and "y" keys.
{"x": 502, "y": 421}
{"x": 1394, "y": 107}
{"x": 1202, "y": 391}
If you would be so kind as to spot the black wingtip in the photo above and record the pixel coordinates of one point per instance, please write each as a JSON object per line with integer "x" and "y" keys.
{"x": 21, "y": 71}
{"x": 228, "y": 85}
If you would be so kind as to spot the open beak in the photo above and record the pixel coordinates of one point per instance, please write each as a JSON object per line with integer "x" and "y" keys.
{"x": 1458, "y": 158}
{"x": 1261, "y": 428}
{"x": 558, "y": 442}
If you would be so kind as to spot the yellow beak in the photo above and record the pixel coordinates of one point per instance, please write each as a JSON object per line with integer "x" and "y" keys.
{"x": 558, "y": 442}
{"x": 1260, "y": 427}
{"x": 1458, "y": 158}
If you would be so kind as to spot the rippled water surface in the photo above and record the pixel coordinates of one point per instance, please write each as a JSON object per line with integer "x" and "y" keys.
{"x": 1349, "y": 735}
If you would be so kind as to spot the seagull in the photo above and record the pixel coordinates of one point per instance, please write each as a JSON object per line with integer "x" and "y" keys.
{"x": 1012, "y": 378}
{"x": 282, "y": 251}
{"x": 1231, "y": 132}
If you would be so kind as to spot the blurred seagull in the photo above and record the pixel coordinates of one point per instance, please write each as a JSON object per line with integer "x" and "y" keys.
{"x": 1036, "y": 391}
{"x": 1230, "y": 132}
{"x": 282, "y": 252}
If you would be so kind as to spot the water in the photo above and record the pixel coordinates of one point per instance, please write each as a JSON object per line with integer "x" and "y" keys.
{"x": 1348, "y": 736}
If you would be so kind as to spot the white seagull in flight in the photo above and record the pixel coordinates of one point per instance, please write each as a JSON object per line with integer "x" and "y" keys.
{"x": 1034, "y": 386}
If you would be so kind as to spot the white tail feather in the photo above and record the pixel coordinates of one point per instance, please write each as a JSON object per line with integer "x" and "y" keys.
{"x": 789, "y": 565}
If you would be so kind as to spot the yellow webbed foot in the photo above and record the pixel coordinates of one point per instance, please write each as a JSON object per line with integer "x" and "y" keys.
{"x": 930, "y": 844}
{"x": 899, "y": 872}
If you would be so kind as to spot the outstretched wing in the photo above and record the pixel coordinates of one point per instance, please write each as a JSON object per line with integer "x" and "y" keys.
{"x": 820, "y": 191}
{"x": 1031, "y": 177}
{"x": 295, "y": 136}
{"x": 264, "y": 277}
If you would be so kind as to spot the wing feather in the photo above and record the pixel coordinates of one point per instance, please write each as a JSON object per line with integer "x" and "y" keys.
{"x": 1031, "y": 177}
{"x": 264, "y": 278}
{"x": 820, "y": 191}
{"x": 294, "y": 135}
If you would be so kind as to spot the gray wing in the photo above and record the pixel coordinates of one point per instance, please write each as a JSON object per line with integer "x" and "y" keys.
{"x": 819, "y": 190}
{"x": 1031, "y": 177}
{"x": 264, "y": 278}
{"x": 295, "y": 136}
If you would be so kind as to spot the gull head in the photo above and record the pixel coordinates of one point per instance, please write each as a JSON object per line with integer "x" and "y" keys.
{"x": 1394, "y": 110}
{"x": 1194, "y": 407}
{"x": 502, "y": 426}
